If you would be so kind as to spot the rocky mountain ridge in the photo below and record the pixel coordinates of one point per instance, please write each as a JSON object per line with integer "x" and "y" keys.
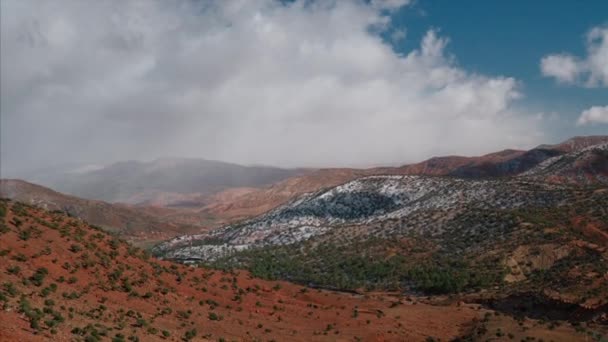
{"x": 369, "y": 201}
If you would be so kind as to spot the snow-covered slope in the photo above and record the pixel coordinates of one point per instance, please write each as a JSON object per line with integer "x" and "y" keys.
{"x": 366, "y": 202}
{"x": 584, "y": 166}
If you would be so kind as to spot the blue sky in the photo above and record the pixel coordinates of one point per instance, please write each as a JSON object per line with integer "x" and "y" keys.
{"x": 509, "y": 38}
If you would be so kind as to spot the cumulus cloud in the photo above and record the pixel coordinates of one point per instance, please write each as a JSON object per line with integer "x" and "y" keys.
{"x": 565, "y": 68}
{"x": 257, "y": 81}
{"x": 595, "y": 114}
{"x": 590, "y": 71}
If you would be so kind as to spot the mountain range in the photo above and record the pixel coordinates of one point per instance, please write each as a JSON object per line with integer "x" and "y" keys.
{"x": 510, "y": 245}
{"x": 540, "y": 233}
{"x": 158, "y": 181}
{"x": 152, "y": 201}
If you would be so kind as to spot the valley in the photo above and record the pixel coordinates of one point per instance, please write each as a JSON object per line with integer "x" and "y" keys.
{"x": 422, "y": 252}
{"x": 64, "y": 280}
{"x": 303, "y": 170}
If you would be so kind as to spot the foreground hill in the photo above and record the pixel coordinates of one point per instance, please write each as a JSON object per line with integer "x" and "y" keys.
{"x": 63, "y": 280}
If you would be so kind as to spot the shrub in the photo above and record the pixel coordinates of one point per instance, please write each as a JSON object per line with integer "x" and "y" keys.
{"x": 10, "y": 289}
{"x": 38, "y": 277}
{"x": 118, "y": 338}
{"x": 75, "y": 248}
{"x": 33, "y": 315}
{"x": 214, "y": 317}
{"x": 13, "y": 270}
{"x": 20, "y": 257}
{"x": 141, "y": 322}
{"x": 25, "y": 234}
{"x": 184, "y": 314}
{"x": 190, "y": 334}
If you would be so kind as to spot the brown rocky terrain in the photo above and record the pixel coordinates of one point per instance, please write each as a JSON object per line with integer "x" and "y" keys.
{"x": 63, "y": 280}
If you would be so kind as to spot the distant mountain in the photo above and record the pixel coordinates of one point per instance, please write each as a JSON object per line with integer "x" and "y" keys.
{"x": 576, "y": 143}
{"x": 236, "y": 191}
{"x": 163, "y": 181}
{"x": 247, "y": 202}
{"x": 135, "y": 224}
{"x": 510, "y": 162}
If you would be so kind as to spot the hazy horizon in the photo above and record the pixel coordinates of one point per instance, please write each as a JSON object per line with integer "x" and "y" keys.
{"x": 84, "y": 167}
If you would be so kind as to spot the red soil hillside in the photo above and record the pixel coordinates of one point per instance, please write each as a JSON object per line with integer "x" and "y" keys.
{"x": 63, "y": 280}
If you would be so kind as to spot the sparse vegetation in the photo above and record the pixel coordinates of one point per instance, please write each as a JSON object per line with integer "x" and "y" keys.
{"x": 67, "y": 272}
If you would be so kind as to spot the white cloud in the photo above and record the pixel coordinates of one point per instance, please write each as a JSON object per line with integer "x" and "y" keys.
{"x": 398, "y": 35}
{"x": 595, "y": 114}
{"x": 590, "y": 71}
{"x": 565, "y": 68}
{"x": 247, "y": 81}
{"x": 389, "y": 4}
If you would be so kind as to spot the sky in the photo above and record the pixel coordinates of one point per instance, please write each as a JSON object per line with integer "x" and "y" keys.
{"x": 310, "y": 83}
